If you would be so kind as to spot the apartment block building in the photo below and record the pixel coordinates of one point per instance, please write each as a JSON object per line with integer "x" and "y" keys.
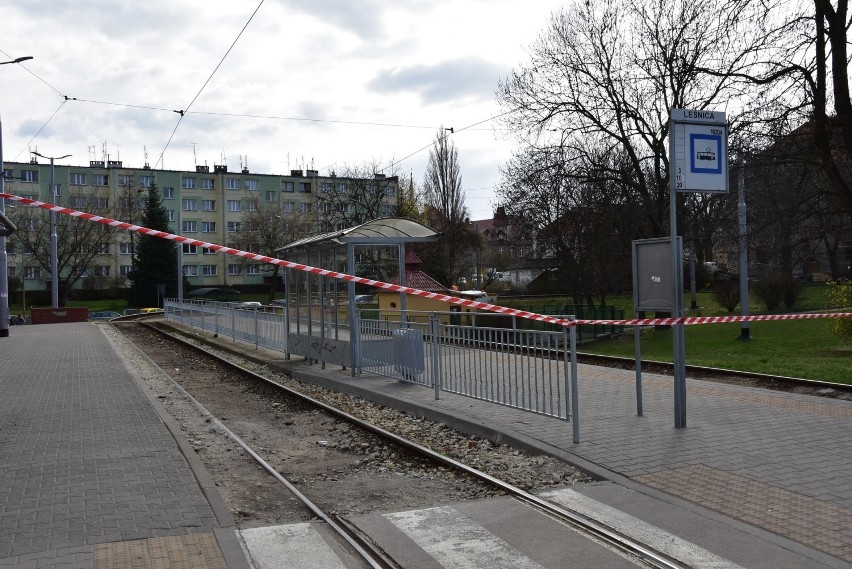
{"x": 206, "y": 205}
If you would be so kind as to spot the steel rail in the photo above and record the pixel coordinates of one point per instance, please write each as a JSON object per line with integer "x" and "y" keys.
{"x": 584, "y": 523}
{"x": 370, "y": 558}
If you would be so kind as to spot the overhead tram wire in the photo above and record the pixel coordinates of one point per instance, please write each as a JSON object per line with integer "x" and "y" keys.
{"x": 22, "y": 150}
{"x": 182, "y": 112}
{"x": 444, "y": 136}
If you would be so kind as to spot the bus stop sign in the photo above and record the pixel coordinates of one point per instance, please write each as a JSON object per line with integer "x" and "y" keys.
{"x": 700, "y": 157}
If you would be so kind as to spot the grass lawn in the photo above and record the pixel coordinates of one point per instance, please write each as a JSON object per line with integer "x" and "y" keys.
{"x": 796, "y": 348}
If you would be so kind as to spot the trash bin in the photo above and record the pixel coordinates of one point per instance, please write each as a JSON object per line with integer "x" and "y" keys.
{"x": 409, "y": 359}
{"x": 455, "y": 317}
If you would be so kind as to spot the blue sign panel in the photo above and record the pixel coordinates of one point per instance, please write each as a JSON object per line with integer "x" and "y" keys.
{"x": 705, "y": 153}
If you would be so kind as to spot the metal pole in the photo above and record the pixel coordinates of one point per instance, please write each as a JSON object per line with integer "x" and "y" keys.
{"x": 575, "y": 392}
{"x": 54, "y": 241}
{"x": 180, "y": 261}
{"x": 745, "y": 333}
{"x": 4, "y": 275}
{"x": 677, "y": 295}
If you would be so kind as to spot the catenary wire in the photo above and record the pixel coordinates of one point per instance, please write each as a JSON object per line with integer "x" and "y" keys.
{"x": 198, "y": 94}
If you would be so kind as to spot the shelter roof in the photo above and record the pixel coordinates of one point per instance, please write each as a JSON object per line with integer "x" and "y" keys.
{"x": 383, "y": 231}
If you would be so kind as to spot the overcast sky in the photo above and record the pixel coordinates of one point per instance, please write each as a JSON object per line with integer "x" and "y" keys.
{"x": 329, "y": 83}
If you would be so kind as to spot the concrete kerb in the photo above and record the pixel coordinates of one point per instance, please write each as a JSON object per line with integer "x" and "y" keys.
{"x": 226, "y": 535}
{"x": 501, "y": 434}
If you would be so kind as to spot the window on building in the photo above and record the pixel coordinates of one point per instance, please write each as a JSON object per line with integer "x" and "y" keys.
{"x": 56, "y": 189}
{"x": 102, "y": 270}
{"x": 77, "y": 202}
{"x": 168, "y": 193}
{"x": 232, "y": 183}
{"x": 29, "y": 175}
{"x": 387, "y": 210}
{"x": 326, "y": 187}
{"x": 287, "y": 207}
{"x": 252, "y": 269}
{"x": 146, "y": 181}
{"x": 233, "y": 205}
{"x": 125, "y": 180}
{"x": 250, "y": 184}
{"x": 305, "y": 207}
{"x": 305, "y": 187}
{"x": 103, "y": 249}
{"x": 100, "y": 203}
{"x": 188, "y": 205}
{"x": 190, "y": 271}
{"x": 234, "y": 270}
{"x": 124, "y": 270}
{"x": 288, "y": 186}
{"x": 207, "y": 184}
{"x": 342, "y": 188}
{"x": 251, "y": 205}
{"x": 30, "y": 224}
{"x": 170, "y": 214}
{"x": 100, "y": 180}
{"x": 8, "y": 173}
{"x": 206, "y": 251}
{"x": 209, "y": 270}
{"x": 343, "y": 208}
{"x": 190, "y": 249}
{"x": 269, "y": 196}
{"x": 125, "y": 248}
{"x": 189, "y": 226}
{"x": 234, "y": 226}
{"x": 77, "y": 179}
{"x": 32, "y": 273}
{"x": 208, "y": 205}
{"x": 187, "y": 183}
{"x": 208, "y": 227}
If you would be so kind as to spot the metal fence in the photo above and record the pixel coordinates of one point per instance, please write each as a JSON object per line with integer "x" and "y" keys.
{"x": 479, "y": 355}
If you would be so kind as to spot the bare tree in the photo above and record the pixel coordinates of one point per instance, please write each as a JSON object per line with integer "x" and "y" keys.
{"x": 266, "y": 227}
{"x": 603, "y": 76}
{"x": 80, "y": 244}
{"x": 443, "y": 197}
{"x": 356, "y": 195}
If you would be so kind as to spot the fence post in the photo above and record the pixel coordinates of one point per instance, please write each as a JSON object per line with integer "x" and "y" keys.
{"x": 436, "y": 360}
{"x": 575, "y": 404}
{"x": 256, "y": 332}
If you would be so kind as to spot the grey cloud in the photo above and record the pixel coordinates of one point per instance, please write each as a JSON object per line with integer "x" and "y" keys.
{"x": 444, "y": 81}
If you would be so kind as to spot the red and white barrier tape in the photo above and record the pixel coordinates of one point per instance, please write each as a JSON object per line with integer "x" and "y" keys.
{"x": 397, "y": 288}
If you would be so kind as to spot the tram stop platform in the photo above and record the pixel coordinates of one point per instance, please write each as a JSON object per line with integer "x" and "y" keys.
{"x": 93, "y": 472}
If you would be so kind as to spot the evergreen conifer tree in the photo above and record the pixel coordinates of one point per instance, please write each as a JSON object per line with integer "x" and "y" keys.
{"x": 156, "y": 258}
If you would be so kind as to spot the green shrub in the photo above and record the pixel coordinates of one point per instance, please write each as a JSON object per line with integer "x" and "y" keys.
{"x": 770, "y": 290}
{"x": 727, "y": 294}
{"x": 840, "y": 296}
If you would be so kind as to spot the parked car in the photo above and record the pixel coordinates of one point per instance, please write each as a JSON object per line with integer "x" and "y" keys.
{"x": 365, "y": 299}
{"x": 103, "y": 315}
{"x": 249, "y": 305}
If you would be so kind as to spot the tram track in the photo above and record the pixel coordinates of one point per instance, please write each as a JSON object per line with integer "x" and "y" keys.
{"x": 337, "y": 521}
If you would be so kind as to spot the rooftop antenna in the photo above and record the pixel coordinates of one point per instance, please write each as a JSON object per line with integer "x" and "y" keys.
{"x": 223, "y": 159}
{"x": 194, "y": 158}
{"x": 145, "y": 151}
{"x": 104, "y": 152}
{"x": 92, "y": 153}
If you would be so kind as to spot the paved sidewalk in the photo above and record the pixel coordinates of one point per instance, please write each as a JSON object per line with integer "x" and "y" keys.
{"x": 775, "y": 464}
{"x": 89, "y": 471}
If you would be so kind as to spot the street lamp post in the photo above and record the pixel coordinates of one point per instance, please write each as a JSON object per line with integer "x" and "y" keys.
{"x": 54, "y": 240}
{"x": 4, "y": 275}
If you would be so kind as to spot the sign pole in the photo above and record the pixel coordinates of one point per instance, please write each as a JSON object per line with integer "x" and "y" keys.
{"x": 698, "y": 162}
{"x": 678, "y": 340}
